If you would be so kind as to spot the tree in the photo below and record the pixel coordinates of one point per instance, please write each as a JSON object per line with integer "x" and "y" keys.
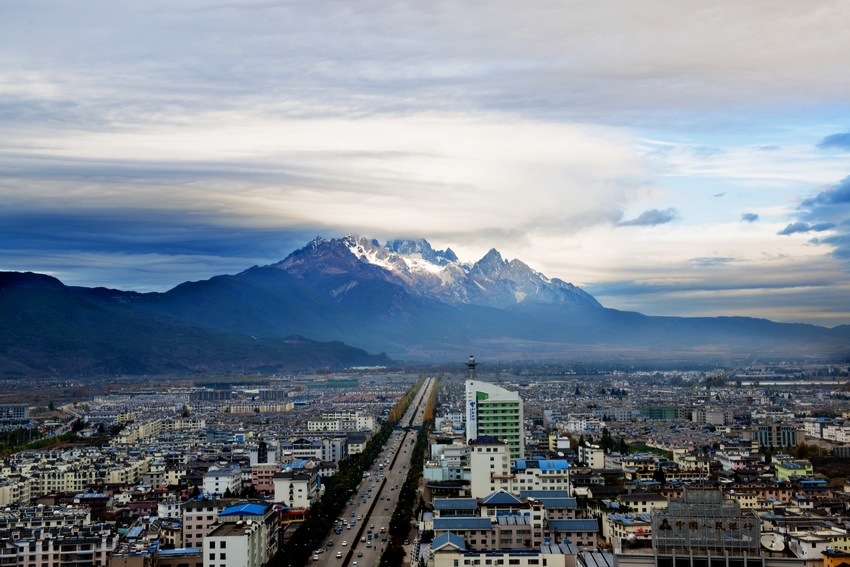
{"x": 607, "y": 442}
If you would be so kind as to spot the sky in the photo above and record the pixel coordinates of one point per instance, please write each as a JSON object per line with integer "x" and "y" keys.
{"x": 673, "y": 158}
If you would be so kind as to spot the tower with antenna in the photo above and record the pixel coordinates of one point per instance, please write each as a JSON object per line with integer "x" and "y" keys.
{"x": 470, "y": 365}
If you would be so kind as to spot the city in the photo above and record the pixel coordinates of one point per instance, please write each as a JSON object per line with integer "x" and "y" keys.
{"x": 465, "y": 465}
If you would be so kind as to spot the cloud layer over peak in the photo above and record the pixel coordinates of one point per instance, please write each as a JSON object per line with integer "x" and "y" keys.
{"x": 147, "y": 143}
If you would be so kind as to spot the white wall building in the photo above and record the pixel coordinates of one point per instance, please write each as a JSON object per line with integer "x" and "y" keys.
{"x": 219, "y": 480}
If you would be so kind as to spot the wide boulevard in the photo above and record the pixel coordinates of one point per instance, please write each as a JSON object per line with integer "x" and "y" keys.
{"x": 369, "y": 511}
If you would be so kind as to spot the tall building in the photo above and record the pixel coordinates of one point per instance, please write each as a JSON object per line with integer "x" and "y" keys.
{"x": 495, "y": 412}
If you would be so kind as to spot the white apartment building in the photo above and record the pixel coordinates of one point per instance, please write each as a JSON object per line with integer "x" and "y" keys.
{"x": 296, "y": 489}
{"x": 219, "y": 480}
{"x": 235, "y": 544}
{"x": 489, "y": 466}
{"x": 592, "y": 455}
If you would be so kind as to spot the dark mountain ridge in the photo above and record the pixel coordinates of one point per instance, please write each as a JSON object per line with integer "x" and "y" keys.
{"x": 405, "y": 299}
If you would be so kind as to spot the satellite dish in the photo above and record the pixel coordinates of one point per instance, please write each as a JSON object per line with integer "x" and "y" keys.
{"x": 560, "y": 453}
{"x": 773, "y": 542}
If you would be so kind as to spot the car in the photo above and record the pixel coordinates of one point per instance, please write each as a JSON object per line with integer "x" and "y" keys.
{"x": 359, "y": 554}
{"x": 344, "y": 543}
{"x": 385, "y": 508}
{"x": 362, "y": 539}
{"x": 372, "y": 527}
{"x": 330, "y": 543}
{"x": 382, "y": 530}
{"x": 353, "y": 513}
{"x": 339, "y": 555}
{"x": 359, "y": 517}
{"x": 315, "y": 558}
{"x": 407, "y": 542}
{"x": 369, "y": 543}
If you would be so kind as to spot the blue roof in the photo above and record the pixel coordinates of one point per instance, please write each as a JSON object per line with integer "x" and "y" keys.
{"x": 498, "y": 498}
{"x": 180, "y": 551}
{"x": 558, "y": 502}
{"x": 448, "y": 538}
{"x": 455, "y": 503}
{"x": 542, "y": 464}
{"x": 574, "y": 525}
{"x": 244, "y": 510}
{"x": 135, "y": 531}
{"x": 446, "y": 524}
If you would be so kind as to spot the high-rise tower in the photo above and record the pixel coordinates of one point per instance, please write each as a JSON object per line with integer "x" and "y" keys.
{"x": 497, "y": 412}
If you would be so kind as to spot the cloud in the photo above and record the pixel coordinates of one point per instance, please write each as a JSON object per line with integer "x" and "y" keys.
{"x": 652, "y": 217}
{"x": 749, "y": 217}
{"x": 578, "y": 61}
{"x": 836, "y": 141}
{"x": 710, "y": 261}
{"x": 229, "y": 125}
{"x": 720, "y": 195}
{"x": 838, "y": 195}
{"x": 803, "y": 227}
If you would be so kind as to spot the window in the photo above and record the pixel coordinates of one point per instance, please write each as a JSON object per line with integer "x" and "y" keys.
{"x": 212, "y": 556}
{"x": 222, "y": 556}
{"x": 223, "y": 545}
{"x": 212, "y": 545}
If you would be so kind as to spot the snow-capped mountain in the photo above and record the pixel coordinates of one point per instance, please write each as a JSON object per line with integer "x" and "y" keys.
{"x": 437, "y": 274}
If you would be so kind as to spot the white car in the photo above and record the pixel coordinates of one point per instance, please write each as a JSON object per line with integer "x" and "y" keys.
{"x": 344, "y": 543}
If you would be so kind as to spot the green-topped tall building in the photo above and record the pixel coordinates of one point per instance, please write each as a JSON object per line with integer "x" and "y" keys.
{"x": 496, "y": 412}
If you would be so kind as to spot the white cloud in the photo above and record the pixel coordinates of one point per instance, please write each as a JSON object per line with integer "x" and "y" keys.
{"x": 534, "y": 128}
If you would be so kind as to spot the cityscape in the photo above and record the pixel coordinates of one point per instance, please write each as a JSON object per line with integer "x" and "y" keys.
{"x": 476, "y": 463}
{"x": 372, "y": 283}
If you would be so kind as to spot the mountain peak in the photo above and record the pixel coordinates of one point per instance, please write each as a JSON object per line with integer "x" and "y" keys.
{"x": 420, "y": 270}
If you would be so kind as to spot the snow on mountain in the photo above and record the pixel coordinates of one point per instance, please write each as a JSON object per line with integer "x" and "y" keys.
{"x": 414, "y": 264}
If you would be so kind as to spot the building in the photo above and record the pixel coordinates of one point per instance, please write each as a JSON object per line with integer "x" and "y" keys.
{"x": 296, "y": 488}
{"x": 199, "y": 516}
{"x": 540, "y": 474}
{"x": 14, "y": 413}
{"x": 489, "y": 467}
{"x": 234, "y": 544}
{"x": 775, "y": 435}
{"x": 223, "y": 480}
{"x": 495, "y": 412}
{"x": 592, "y": 455}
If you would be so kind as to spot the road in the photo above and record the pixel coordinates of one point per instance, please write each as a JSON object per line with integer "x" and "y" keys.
{"x": 376, "y": 497}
